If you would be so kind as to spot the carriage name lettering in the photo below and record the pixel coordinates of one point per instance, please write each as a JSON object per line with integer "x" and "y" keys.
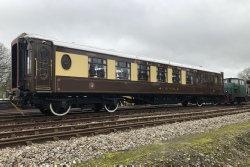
{"x": 169, "y": 88}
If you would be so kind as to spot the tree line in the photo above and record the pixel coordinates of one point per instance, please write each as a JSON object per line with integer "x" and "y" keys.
{"x": 245, "y": 74}
{"x": 5, "y": 70}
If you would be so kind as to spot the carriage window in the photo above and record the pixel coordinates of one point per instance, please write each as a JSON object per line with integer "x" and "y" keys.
{"x": 28, "y": 62}
{"x": 43, "y": 63}
{"x": 205, "y": 78}
{"x": 242, "y": 82}
{"x": 162, "y": 74}
{"x": 211, "y": 78}
{"x": 122, "y": 70}
{"x": 97, "y": 68}
{"x": 236, "y": 81}
{"x": 189, "y": 77}
{"x": 143, "y": 72}
{"x": 198, "y": 78}
{"x": 216, "y": 79}
{"x": 176, "y": 76}
{"x": 28, "y": 72}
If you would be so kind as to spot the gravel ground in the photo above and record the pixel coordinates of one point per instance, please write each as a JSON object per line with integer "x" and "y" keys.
{"x": 81, "y": 149}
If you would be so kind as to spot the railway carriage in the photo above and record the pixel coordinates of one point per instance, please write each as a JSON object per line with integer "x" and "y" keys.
{"x": 55, "y": 76}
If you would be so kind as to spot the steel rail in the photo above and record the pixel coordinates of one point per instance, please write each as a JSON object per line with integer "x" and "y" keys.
{"x": 126, "y": 111}
{"x": 105, "y": 127}
{"x": 38, "y": 122}
{"x": 55, "y": 123}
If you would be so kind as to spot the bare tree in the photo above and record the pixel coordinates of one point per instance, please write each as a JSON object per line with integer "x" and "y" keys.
{"x": 245, "y": 74}
{"x": 5, "y": 66}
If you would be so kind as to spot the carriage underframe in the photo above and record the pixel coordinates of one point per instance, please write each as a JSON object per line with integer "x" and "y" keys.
{"x": 60, "y": 104}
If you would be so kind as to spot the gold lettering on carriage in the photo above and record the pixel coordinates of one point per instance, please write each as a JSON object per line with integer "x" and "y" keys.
{"x": 169, "y": 88}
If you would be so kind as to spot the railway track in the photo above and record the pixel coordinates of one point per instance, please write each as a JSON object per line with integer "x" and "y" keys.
{"x": 34, "y": 115}
{"x": 10, "y": 111}
{"x": 20, "y": 132}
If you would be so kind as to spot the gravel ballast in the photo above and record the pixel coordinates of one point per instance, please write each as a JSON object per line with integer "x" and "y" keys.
{"x": 78, "y": 150}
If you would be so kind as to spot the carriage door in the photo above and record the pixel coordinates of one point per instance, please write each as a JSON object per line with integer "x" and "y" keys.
{"x": 43, "y": 67}
{"x": 207, "y": 84}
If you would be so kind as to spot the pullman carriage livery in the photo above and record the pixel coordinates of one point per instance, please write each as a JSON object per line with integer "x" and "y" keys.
{"x": 56, "y": 76}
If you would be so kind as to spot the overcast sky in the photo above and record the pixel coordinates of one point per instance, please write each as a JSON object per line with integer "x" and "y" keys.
{"x": 214, "y": 34}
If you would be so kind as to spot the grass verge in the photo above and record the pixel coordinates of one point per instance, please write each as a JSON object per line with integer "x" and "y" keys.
{"x": 229, "y": 145}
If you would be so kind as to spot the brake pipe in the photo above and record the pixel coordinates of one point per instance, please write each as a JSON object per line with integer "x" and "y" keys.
{"x": 17, "y": 108}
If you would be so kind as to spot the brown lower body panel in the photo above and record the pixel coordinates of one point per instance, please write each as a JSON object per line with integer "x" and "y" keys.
{"x": 96, "y": 85}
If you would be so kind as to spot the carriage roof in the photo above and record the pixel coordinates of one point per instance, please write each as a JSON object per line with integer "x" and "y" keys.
{"x": 114, "y": 53}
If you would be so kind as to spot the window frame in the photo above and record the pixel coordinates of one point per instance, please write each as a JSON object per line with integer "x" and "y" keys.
{"x": 97, "y": 63}
{"x": 242, "y": 82}
{"x": 198, "y": 76}
{"x": 127, "y": 67}
{"x": 160, "y": 72}
{"x": 235, "y": 81}
{"x": 28, "y": 63}
{"x": 191, "y": 75}
{"x": 177, "y": 72}
{"x": 216, "y": 79}
{"x": 146, "y": 70}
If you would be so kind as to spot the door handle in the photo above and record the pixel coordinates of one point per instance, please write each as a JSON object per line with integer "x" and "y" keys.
{"x": 36, "y": 66}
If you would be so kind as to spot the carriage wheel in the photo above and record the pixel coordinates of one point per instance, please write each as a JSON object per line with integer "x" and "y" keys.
{"x": 199, "y": 102}
{"x": 111, "y": 107}
{"x": 214, "y": 102}
{"x": 58, "y": 110}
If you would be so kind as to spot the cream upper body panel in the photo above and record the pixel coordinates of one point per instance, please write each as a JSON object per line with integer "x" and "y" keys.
{"x": 79, "y": 65}
{"x": 153, "y": 74}
{"x": 111, "y": 69}
{"x": 170, "y": 80}
{"x": 134, "y": 72}
{"x": 183, "y": 77}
